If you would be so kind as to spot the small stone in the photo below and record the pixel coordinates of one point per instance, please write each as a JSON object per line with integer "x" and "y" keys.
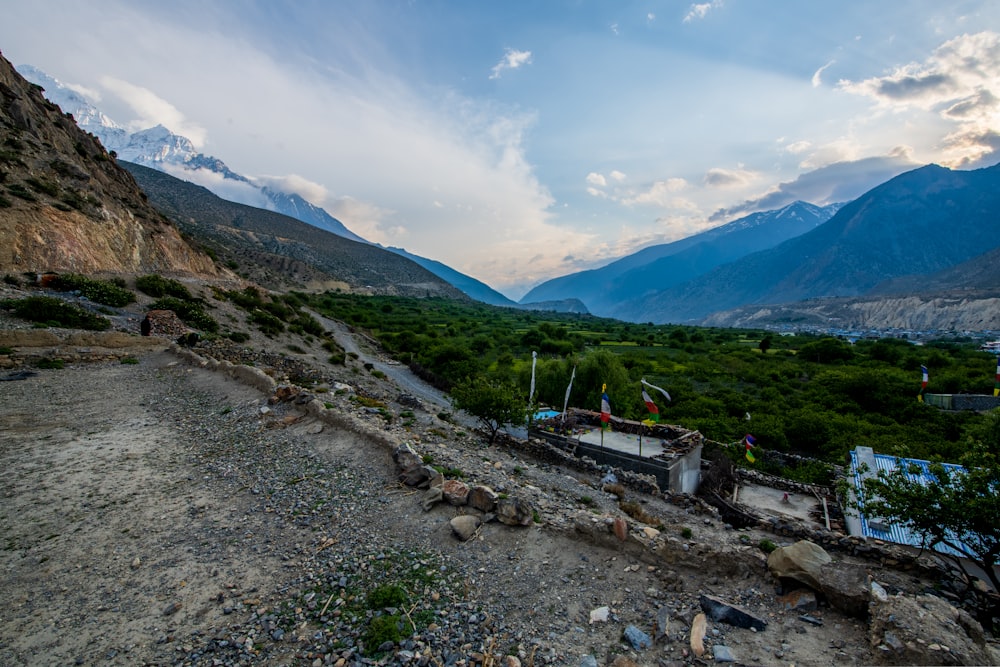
{"x": 637, "y": 638}
{"x": 722, "y": 653}
{"x": 599, "y": 615}
{"x": 171, "y": 608}
{"x": 465, "y": 526}
{"x": 136, "y": 563}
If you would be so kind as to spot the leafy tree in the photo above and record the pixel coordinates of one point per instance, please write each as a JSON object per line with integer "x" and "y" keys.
{"x": 492, "y": 402}
{"x": 765, "y": 344}
{"x": 959, "y": 508}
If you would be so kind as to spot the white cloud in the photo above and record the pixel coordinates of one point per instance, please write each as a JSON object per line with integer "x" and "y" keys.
{"x": 650, "y": 17}
{"x": 596, "y": 179}
{"x": 660, "y": 193}
{"x": 959, "y": 82}
{"x": 594, "y": 192}
{"x": 797, "y": 147}
{"x": 817, "y": 79}
{"x": 312, "y": 192}
{"x": 512, "y": 59}
{"x": 718, "y": 177}
{"x": 154, "y": 110}
{"x": 700, "y": 10}
{"x": 226, "y": 188}
{"x": 614, "y": 29}
{"x": 617, "y": 175}
{"x": 839, "y": 182}
{"x": 367, "y": 220}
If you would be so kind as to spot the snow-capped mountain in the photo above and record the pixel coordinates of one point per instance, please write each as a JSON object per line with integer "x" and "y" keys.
{"x": 159, "y": 148}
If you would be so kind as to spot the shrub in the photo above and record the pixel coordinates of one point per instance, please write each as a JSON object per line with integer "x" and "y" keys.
{"x": 238, "y": 336}
{"x": 50, "y": 363}
{"x": 190, "y": 312}
{"x": 388, "y": 595}
{"x": 106, "y": 292}
{"x": 157, "y": 286}
{"x": 56, "y": 312}
{"x": 767, "y": 546}
{"x": 686, "y": 533}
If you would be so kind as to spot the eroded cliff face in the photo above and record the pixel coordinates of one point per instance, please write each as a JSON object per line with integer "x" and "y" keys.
{"x": 957, "y": 312}
{"x": 65, "y": 205}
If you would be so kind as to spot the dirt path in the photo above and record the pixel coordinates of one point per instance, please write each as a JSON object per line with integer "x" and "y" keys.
{"x": 156, "y": 513}
{"x": 113, "y": 540}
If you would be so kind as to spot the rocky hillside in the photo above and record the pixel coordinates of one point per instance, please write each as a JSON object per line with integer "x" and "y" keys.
{"x": 280, "y": 252}
{"x": 956, "y": 311}
{"x": 66, "y": 205}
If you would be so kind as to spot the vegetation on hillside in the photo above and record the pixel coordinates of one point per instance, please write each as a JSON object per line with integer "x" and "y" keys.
{"x": 807, "y": 394}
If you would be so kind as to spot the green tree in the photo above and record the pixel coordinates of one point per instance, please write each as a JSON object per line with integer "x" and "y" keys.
{"x": 492, "y": 402}
{"x": 958, "y": 509}
{"x": 765, "y": 344}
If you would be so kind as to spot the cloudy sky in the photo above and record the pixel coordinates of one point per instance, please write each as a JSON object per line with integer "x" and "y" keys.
{"x": 520, "y": 140}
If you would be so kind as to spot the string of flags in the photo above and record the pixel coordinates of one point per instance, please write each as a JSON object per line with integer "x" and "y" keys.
{"x": 654, "y": 412}
{"x": 750, "y": 442}
{"x": 923, "y": 383}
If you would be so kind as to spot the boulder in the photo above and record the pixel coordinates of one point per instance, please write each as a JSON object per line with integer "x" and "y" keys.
{"x": 431, "y": 498}
{"x": 514, "y": 512}
{"x": 483, "y": 498}
{"x": 802, "y": 562}
{"x": 719, "y": 610}
{"x": 465, "y": 526}
{"x": 455, "y": 492}
{"x": 845, "y": 587}
{"x": 926, "y": 630}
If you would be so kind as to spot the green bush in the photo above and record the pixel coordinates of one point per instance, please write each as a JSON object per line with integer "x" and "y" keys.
{"x": 238, "y": 336}
{"x": 56, "y": 312}
{"x": 50, "y": 363}
{"x": 157, "y": 286}
{"x": 106, "y": 292}
{"x": 190, "y": 312}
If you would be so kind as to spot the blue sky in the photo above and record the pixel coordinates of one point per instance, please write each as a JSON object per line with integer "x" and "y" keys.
{"x": 516, "y": 141}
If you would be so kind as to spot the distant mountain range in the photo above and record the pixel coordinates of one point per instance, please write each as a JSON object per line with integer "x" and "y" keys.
{"x": 929, "y": 234}
{"x": 659, "y": 267}
{"x": 919, "y": 225}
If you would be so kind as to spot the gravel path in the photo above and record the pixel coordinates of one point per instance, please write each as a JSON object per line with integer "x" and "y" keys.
{"x": 158, "y": 513}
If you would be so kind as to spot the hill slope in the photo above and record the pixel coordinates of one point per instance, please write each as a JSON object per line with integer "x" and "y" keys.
{"x": 920, "y": 223}
{"x": 283, "y": 253}
{"x": 65, "y": 205}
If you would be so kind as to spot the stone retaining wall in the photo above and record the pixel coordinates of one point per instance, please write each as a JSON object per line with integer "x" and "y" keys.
{"x": 27, "y": 347}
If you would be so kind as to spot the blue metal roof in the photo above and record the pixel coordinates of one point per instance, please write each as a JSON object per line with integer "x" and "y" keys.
{"x": 894, "y": 532}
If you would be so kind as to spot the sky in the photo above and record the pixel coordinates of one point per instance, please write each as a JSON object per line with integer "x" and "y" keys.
{"x": 518, "y": 141}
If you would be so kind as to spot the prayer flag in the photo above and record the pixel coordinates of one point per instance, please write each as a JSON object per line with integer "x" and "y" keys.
{"x": 923, "y": 383}
{"x": 996, "y": 387}
{"x": 750, "y": 441}
{"x": 605, "y": 408}
{"x": 654, "y": 412}
{"x": 568, "y": 389}
{"x": 659, "y": 389}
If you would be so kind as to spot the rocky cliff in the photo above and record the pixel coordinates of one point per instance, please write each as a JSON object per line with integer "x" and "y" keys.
{"x": 65, "y": 205}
